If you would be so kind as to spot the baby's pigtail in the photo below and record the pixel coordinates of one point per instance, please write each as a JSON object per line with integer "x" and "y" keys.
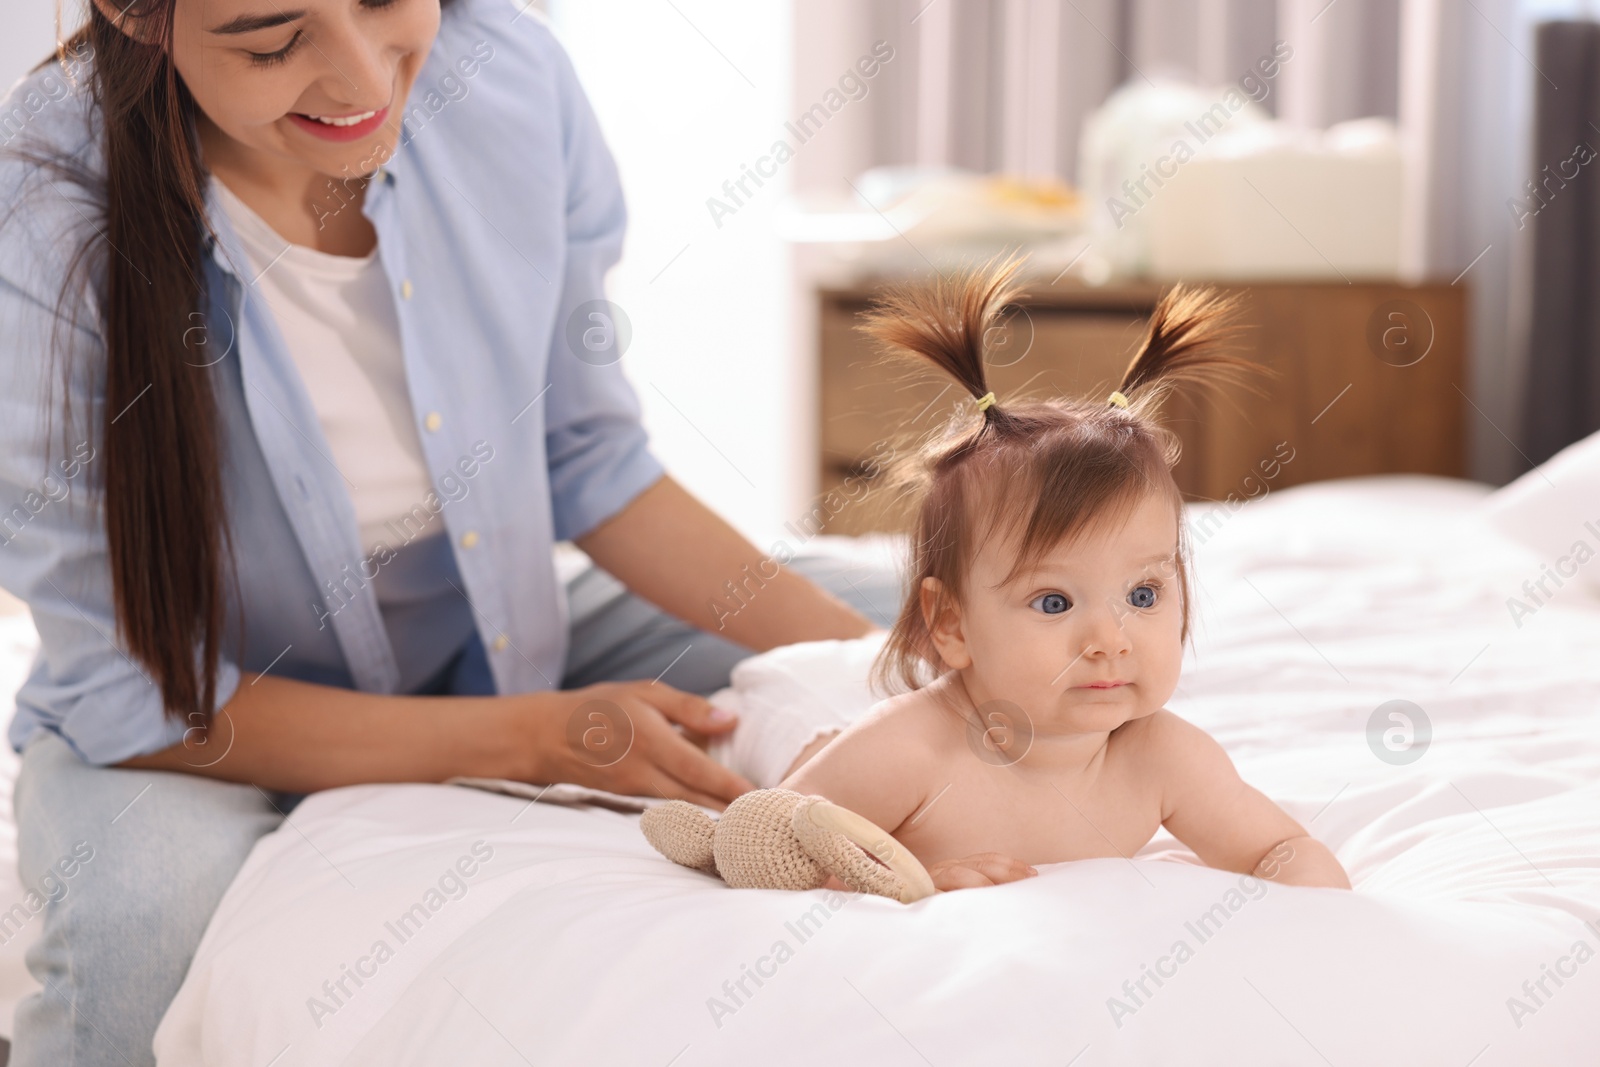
{"x": 1187, "y": 342}
{"x": 946, "y": 322}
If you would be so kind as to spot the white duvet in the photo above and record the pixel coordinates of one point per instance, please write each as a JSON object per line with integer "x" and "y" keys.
{"x": 436, "y": 924}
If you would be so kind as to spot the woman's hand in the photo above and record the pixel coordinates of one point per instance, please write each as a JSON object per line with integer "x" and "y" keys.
{"x": 619, "y": 736}
{"x": 979, "y": 869}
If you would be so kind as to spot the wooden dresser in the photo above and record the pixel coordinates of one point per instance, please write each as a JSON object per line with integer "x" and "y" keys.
{"x": 1367, "y": 378}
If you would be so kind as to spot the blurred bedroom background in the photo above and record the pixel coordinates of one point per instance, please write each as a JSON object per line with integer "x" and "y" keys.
{"x": 1405, "y": 193}
{"x": 1401, "y": 185}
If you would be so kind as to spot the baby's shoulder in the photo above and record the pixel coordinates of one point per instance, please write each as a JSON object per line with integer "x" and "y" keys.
{"x": 1162, "y": 737}
{"x": 1161, "y": 731}
{"x": 916, "y": 724}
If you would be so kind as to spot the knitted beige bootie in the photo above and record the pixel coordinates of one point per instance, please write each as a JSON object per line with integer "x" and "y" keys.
{"x": 779, "y": 839}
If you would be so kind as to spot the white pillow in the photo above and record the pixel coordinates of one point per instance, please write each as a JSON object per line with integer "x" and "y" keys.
{"x": 1554, "y": 509}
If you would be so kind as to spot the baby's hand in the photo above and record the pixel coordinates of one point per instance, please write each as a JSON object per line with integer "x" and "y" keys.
{"x": 984, "y": 868}
{"x": 970, "y": 872}
{"x": 980, "y": 869}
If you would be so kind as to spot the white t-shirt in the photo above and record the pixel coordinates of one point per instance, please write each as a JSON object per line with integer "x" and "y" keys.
{"x": 337, "y": 317}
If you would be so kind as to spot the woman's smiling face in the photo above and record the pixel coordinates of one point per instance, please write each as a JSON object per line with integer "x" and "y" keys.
{"x": 268, "y": 74}
{"x": 1085, "y": 641}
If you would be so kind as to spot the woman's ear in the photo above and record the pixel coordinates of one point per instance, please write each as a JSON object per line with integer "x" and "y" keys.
{"x": 942, "y": 615}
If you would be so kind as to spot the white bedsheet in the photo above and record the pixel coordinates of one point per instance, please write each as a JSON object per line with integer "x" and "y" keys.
{"x": 1477, "y": 867}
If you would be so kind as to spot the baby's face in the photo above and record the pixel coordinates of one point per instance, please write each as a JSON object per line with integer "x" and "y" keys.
{"x": 1087, "y": 640}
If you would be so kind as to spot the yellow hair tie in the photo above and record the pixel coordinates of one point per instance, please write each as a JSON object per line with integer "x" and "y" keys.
{"x": 985, "y": 401}
{"x": 1118, "y": 399}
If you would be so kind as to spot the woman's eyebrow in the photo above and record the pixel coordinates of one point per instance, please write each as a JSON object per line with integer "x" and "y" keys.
{"x": 252, "y": 23}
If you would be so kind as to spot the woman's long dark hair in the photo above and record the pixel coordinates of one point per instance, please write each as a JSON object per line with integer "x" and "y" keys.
{"x": 160, "y": 436}
{"x": 159, "y": 439}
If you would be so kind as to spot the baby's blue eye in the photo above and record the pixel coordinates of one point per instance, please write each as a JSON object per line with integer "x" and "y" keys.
{"x": 1143, "y": 596}
{"x": 1050, "y": 603}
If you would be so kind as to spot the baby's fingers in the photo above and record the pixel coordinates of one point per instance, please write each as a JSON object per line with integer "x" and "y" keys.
{"x": 988, "y": 868}
{"x": 957, "y": 877}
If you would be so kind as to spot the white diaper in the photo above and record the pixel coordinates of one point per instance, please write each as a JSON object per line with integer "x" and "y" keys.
{"x": 788, "y": 697}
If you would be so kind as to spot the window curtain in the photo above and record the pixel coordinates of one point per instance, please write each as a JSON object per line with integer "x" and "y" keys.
{"x": 1560, "y": 204}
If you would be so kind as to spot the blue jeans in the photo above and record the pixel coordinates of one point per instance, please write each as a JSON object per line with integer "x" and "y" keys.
{"x": 151, "y": 853}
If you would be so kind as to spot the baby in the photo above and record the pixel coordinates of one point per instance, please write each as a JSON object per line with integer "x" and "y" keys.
{"x": 1044, "y": 626}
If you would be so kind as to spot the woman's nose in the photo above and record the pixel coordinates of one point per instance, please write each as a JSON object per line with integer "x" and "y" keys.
{"x": 360, "y": 71}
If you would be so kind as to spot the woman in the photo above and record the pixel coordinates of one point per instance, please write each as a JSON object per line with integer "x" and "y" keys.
{"x": 300, "y": 388}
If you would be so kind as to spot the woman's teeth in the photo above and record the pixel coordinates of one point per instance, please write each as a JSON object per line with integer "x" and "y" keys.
{"x": 347, "y": 120}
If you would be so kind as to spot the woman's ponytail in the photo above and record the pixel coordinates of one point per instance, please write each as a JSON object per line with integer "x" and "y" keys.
{"x": 158, "y": 430}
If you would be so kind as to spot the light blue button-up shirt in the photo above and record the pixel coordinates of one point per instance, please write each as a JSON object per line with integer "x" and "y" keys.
{"x": 497, "y": 220}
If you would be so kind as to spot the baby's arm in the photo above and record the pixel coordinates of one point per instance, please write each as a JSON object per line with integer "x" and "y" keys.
{"x": 871, "y": 768}
{"x": 1229, "y": 824}
{"x": 879, "y": 768}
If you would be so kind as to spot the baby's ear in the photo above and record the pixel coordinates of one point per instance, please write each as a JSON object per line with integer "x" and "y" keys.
{"x": 942, "y": 616}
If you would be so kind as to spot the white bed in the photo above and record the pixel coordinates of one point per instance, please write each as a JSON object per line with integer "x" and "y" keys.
{"x": 1477, "y": 867}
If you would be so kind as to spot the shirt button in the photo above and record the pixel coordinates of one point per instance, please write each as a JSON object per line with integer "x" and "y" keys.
{"x": 433, "y": 421}
{"x": 405, "y": 289}
{"x": 500, "y": 643}
{"x": 469, "y": 539}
